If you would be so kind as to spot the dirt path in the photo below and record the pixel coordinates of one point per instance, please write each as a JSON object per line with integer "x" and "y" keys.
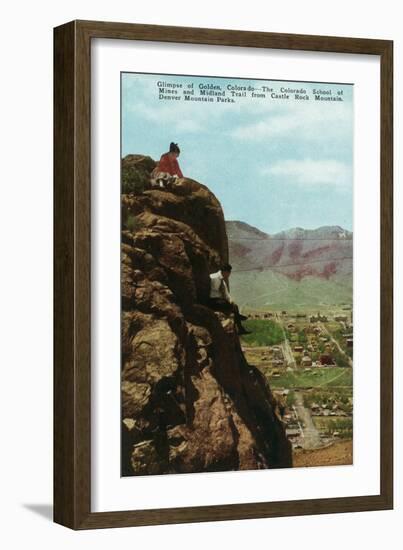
{"x": 288, "y": 355}
{"x": 287, "y": 351}
{"x": 310, "y": 434}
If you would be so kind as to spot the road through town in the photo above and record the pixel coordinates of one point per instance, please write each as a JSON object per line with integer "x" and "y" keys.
{"x": 311, "y": 438}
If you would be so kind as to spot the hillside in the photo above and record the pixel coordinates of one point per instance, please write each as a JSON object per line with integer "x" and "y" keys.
{"x": 190, "y": 401}
{"x": 294, "y": 269}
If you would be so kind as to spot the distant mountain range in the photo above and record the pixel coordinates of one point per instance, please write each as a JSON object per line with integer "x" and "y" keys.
{"x": 297, "y": 267}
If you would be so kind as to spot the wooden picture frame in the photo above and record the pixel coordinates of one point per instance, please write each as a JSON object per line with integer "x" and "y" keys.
{"x": 72, "y": 270}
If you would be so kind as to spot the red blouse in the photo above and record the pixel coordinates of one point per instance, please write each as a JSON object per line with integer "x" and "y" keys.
{"x": 169, "y": 164}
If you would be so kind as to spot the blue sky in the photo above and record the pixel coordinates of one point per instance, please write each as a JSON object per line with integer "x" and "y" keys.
{"x": 273, "y": 163}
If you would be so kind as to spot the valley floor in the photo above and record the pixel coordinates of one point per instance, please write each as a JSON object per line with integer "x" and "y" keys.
{"x": 337, "y": 454}
{"x": 308, "y": 365}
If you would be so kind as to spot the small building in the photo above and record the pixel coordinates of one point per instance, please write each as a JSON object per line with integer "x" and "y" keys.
{"x": 326, "y": 360}
{"x": 341, "y": 318}
{"x": 318, "y": 317}
{"x": 292, "y": 435}
{"x": 306, "y": 361}
{"x": 298, "y": 349}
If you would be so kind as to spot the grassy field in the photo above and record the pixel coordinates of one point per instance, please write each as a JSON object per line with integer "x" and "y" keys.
{"x": 264, "y": 333}
{"x": 326, "y": 376}
{"x": 269, "y": 289}
{"x": 344, "y": 426}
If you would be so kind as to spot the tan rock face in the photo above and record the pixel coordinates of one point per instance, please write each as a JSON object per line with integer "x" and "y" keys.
{"x": 190, "y": 402}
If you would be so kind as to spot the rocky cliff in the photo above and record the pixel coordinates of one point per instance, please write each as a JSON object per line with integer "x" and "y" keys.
{"x": 190, "y": 401}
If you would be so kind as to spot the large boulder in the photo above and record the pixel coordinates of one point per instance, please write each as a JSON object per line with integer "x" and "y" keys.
{"x": 190, "y": 401}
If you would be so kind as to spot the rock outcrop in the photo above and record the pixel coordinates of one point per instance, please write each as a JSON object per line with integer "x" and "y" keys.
{"x": 190, "y": 401}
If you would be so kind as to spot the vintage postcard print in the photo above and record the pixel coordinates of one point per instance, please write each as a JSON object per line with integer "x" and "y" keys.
{"x": 236, "y": 274}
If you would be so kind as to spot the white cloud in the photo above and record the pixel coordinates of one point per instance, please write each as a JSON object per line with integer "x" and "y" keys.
{"x": 311, "y": 172}
{"x": 183, "y": 117}
{"x": 188, "y": 125}
{"x": 311, "y": 121}
{"x": 275, "y": 126}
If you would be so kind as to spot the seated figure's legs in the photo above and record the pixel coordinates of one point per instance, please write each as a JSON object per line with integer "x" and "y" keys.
{"x": 160, "y": 179}
{"x": 222, "y": 305}
{"x": 219, "y": 304}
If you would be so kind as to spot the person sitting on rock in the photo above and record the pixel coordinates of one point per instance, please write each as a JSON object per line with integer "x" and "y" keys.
{"x": 220, "y": 298}
{"x": 167, "y": 169}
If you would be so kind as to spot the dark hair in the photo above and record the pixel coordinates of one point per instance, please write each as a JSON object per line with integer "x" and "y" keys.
{"x": 173, "y": 148}
{"x": 226, "y": 267}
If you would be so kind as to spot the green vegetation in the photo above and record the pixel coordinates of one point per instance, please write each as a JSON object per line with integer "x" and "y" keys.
{"x": 340, "y": 359}
{"x": 321, "y": 347}
{"x": 302, "y": 339}
{"x": 264, "y": 333}
{"x": 133, "y": 180}
{"x": 131, "y": 223}
{"x": 328, "y": 426}
{"x": 290, "y": 399}
{"x": 291, "y": 336}
{"x": 315, "y": 355}
{"x": 339, "y": 335}
{"x": 317, "y": 377}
